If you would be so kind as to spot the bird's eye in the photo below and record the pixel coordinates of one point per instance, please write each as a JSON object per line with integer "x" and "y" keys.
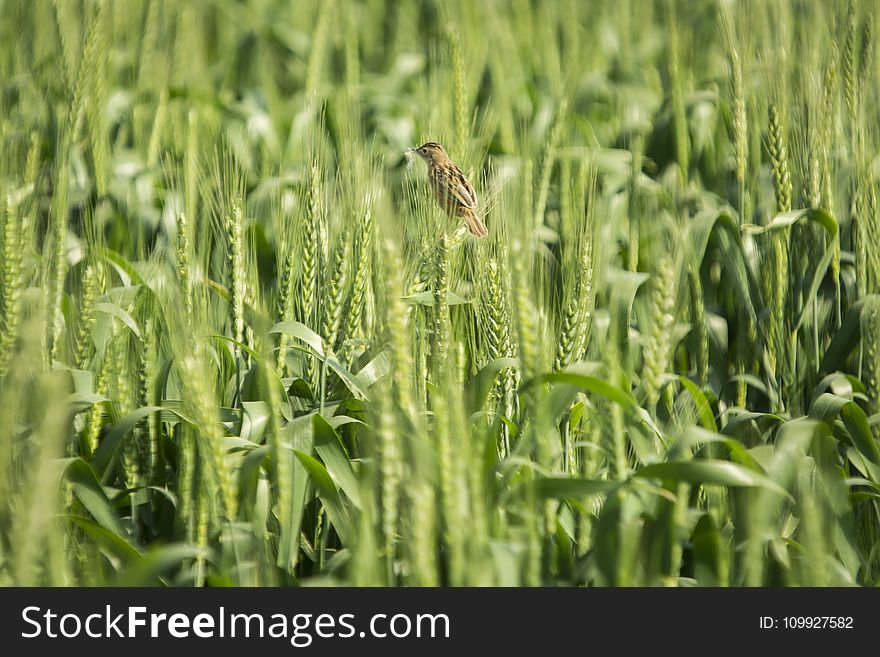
{"x": 423, "y": 150}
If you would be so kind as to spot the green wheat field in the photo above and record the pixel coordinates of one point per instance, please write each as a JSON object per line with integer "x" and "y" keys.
{"x": 241, "y": 345}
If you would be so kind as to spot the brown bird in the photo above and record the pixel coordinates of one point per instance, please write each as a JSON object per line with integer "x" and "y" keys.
{"x": 451, "y": 188}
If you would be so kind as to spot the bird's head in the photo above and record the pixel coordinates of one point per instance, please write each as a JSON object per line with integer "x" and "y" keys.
{"x": 430, "y": 152}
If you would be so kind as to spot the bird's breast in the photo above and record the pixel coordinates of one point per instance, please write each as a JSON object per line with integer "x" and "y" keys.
{"x": 439, "y": 183}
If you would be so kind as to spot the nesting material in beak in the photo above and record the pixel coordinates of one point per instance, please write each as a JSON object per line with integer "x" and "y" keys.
{"x": 409, "y": 154}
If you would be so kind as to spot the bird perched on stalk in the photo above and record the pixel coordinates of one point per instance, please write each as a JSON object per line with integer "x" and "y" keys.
{"x": 451, "y": 188}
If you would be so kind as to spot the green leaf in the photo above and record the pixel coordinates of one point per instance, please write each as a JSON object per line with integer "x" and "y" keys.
{"x": 818, "y": 275}
{"x": 709, "y": 472}
{"x": 301, "y": 389}
{"x": 297, "y": 435}
{"x": 123, "y": 496}
{"x": 707, "y": 547}
{"x": 109, "y": 447}
{"x": 787, "y": 219}
{"x": 704, "y": 408}
{"x": 123, "y": 267}
{"x": 85, "y": 486}
{"x": 624, "y": 285}
{"x": 355, "y": 385}
{"x": 302, "y": 332}
{"x": 828, "y": 407}
{"x": 329, "y": 495}
{"x": 80, "y": 401}
{"x": 846, "y": 338}
{"x": 254, "y": 420}
{"x": 116, "y": 311}
{"x": 856, "y": 423}
{"x": 337, "y": 421}
{"x": 427, "y": 299}
{"x": 159, "y": 561}
{"x": 478, "y": 388}
{"x": 696, "y": 436}
{"x": 563, "y": 488}
{"x": 225, "y": 338}
{"x": 110, "y": 543}
{"x": 747, "y": 417}
{"x": 249, "y": 471}
{"x": 329, "y": 447}
{"x": 588, "y": 383}
{"x": 738, "y": 273}
{"x": 173, "y": 411}
{"x": 375, "y": 369}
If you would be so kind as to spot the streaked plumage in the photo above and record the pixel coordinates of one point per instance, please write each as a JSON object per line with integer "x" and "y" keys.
{"x": 451, "y": 188}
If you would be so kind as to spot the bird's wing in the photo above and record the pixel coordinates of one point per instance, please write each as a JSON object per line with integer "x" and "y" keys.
{"x": 464, "y": 192}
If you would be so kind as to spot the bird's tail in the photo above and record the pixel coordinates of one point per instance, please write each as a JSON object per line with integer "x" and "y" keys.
{"x": 475, "y": 226}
